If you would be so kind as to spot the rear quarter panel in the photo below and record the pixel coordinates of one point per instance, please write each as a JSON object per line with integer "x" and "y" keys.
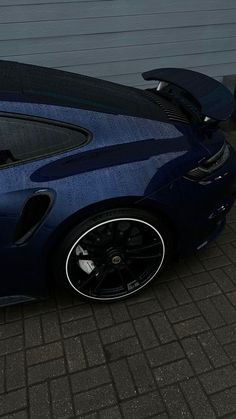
{"x": 78, "y": 179}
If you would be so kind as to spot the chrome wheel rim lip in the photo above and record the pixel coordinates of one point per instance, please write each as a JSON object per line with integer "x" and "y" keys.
{"x": 137, "y": 220}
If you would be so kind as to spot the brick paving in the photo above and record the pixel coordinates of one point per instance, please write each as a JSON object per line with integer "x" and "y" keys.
{"x": 168, "y": 353}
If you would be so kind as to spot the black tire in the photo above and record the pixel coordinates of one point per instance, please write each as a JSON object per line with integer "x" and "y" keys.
{"x": 113, "y": 255}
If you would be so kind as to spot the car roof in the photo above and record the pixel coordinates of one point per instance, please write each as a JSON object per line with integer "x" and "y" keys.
{"x": 35, "y": 84}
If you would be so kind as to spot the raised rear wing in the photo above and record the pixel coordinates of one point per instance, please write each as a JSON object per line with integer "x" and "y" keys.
{"x": 214, "y": 99}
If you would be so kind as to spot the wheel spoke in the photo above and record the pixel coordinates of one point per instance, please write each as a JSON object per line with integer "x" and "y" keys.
{"x": 111, "y": 230}
{"x": 94, "y": 274}
{"x": 89, "y": 245}
{"x": 123, "y": 281}
{"x": 142, "y": 248}
{"x": 115, "y": 257}
{"x": 102, "y": 277}
{"x": 116, "y": 232}
{"x": 134, "y": 235}
{"x": 144, "y": 257}
{"x": 92, "y": 239}
{"x": 130, "y": 271}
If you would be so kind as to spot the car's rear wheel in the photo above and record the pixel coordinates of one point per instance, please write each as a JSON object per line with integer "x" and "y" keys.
{"x": 113, "y": 255}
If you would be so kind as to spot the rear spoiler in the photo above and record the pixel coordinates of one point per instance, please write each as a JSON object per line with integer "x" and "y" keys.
{"x": 214, "y": 99}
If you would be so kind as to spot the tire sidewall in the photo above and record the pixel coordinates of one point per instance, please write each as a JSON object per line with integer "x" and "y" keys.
{"x": 64, "y": 248}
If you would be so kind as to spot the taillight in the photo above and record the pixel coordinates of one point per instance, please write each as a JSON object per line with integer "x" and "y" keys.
{"x": 209, "y": 166}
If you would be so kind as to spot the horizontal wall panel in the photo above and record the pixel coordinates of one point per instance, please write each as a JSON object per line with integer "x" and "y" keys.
{"x": 99, "y": 9}
{"x": 136, "y": 79}
{"x": 199, "y": 34}
{"x": 114, "y": 24}
{"x": 132, "y": 53}
{"x": 124, "y": 6}
{"x": 126, "y": 67}
{"x": 119, "y": 39}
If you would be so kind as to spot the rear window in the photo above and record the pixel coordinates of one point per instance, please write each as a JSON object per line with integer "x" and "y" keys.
{"x": 26, "y": 139}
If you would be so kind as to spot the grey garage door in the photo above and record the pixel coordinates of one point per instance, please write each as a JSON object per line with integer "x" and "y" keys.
{"x": 118, "y": 39}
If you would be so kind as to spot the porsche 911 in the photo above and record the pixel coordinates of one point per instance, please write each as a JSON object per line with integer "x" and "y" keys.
{"x": 101, "y": 183}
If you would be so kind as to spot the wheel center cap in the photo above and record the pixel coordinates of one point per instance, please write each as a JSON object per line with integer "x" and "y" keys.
{"x": 116, "y": 260}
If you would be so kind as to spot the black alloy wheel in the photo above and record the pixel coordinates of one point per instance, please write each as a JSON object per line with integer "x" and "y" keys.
{"x": 114, "y": 254}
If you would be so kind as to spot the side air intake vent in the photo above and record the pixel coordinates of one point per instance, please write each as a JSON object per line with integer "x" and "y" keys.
{"x": 31, "y": 217}
{"x": 173, "y": 112}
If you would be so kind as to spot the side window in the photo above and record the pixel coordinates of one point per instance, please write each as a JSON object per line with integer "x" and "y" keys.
{"x": 23, "y": 139}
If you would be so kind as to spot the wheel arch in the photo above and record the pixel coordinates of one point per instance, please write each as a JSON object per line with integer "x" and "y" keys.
{"x": 137, "y": 202}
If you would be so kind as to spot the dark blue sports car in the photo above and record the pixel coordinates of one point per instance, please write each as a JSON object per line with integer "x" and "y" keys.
{"x": 101, "y": 183}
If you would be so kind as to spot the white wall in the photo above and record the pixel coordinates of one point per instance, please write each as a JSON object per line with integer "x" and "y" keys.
{"x": 119, "y": 39}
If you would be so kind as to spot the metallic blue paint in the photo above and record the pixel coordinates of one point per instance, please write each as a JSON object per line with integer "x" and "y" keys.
{"x": 129, "y": 158}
